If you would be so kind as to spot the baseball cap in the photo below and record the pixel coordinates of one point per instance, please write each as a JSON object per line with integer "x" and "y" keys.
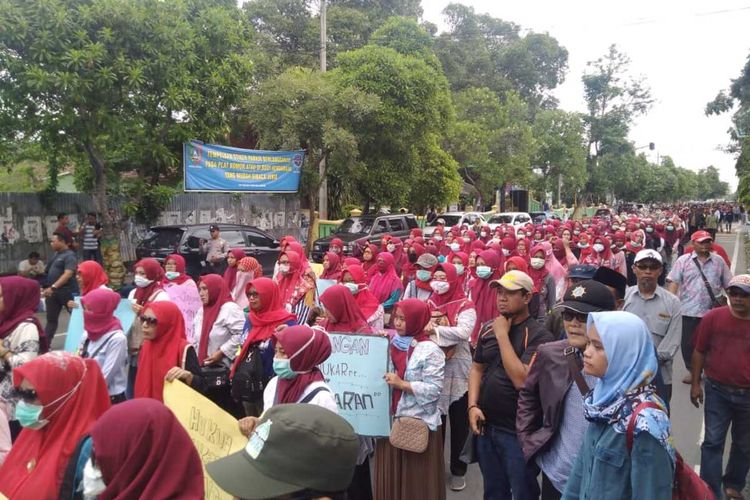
{"x": 514, "y": 280}
{"x": 647, "y": 254}
{"x": 611, "y": 278}
{"x": 213, "y": 227}
{"x": 699, "y": 236}
{"x": 741, "y": 281}
{"x": 581, "y": 271}
{"x": 427, "y": 261}
{"x": 294, "y": 447}
{"x": 588, "y": 296}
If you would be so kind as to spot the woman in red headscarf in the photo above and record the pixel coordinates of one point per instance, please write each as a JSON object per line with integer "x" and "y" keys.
{"x": 342, "y": 312}
{"x": 174, "y": 271}
{"x": 409, "y": 269}
{"x": 355, "y": 279}
{"x": 90, "y": 276}
{"x": 417, "y": 383}
{"x": 369, "y": 259}
{"x": 453, "y": 317}
{"x": 296, "y": 287}
{"x": 234, "y": 256}
{"x": 544, "y": 283}
{"x": 461, "y": 261}
{"x": 60, "y": 396}
{"x": 104, "y": 341}
{"x": 331, "y": 267}
{"x": 21, "y": 340}
{"x": 267, "y": 314}
{"x": 385, "y": 283}
{"x": 142, "y": 451}
{"x": 516, "y": 263}
{"x": 395, "y": 247}
{"x": 247, "y": 270}
{"x": 218, "y": 325}
{"x": 489, "y": 268}
{"x": 337, "y": 247}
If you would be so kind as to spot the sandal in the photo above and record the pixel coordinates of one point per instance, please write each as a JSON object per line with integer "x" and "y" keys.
{"x": 732, "y": 493}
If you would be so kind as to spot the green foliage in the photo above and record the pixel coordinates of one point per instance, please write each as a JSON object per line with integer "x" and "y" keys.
{"x": 144, "y": 202}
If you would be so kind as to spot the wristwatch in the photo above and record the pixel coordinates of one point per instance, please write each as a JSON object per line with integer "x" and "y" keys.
{"x": 53, "y": 287}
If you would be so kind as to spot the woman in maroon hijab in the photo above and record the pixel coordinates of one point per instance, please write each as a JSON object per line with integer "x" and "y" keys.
{"x": 142, "y": 451}
{"x": 343, "y": 313}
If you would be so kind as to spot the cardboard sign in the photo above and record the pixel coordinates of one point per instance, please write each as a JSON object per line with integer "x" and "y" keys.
{"x": 188, "y": 301}
{"x": 124, "y": 313}
{"x": 354, "y": 371}
{"x": 214, "y": 432}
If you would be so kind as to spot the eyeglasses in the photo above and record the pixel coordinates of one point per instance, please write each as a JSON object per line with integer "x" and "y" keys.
{"x": 649, "y": 267}
{"x": 252, "y": 295}
{"x": 570, "y": 315}
{"x": 28, "y": 395}
{"x": 736, "y": 292}
{"x": 148, "y": 320}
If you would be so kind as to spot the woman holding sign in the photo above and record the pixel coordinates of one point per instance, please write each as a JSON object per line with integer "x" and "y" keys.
{"x": 355, "y": 279}
{"x": 416, "y": 383}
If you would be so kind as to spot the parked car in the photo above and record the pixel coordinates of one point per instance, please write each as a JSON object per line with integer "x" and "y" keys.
{"x": 162, "y": 241}
{"x": 543, "y": 217}
{"x": 453, "y": 219}
{"x": 604, "y": 213}
{"x": 356, "y": 232}
{"x": 515, "y": 219}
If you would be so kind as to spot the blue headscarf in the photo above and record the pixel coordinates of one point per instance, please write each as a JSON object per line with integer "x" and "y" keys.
{"x": 631, "y": 367}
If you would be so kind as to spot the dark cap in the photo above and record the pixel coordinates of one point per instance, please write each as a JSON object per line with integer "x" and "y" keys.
{"x": 613, "y": 279}
{"x": 581, "y": 271}
{"x": 213, "y": 227}
{"x": 294, "y": 447}
{"x": 588, "y": 296}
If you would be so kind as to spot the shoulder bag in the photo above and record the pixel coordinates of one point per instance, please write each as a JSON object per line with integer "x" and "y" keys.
{"x": 409, "y": 434}
{"x": 250, "y": 377}
{"x": 715, "y": 301}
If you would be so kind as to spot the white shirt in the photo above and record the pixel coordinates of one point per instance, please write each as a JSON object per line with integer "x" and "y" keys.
{"x": 225, "y": 333}
{"x": 111, "y": 353}
{"x": 324, "y": 399}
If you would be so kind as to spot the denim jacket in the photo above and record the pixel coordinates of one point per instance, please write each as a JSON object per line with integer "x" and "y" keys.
{"x": 605, "y": 469}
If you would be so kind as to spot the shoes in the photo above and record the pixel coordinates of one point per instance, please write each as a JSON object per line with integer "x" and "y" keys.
{"x": 688, "y": 379}
{"x": 458, "y": 483}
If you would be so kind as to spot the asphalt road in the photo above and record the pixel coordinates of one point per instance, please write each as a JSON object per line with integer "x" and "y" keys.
{"x": 687, "y": 421}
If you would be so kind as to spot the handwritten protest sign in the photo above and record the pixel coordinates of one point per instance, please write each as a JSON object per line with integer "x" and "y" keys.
{"x": 323, "y": 285}
{"x": 124, "y": 313}
{"x": 317, "y": 268}
{"x": 355, "y": 371}
{"x": 188, "y": 300}
{"x": 214, "y": 432}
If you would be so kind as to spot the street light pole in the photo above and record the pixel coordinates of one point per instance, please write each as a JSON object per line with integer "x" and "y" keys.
{"x": 323, "y": 191}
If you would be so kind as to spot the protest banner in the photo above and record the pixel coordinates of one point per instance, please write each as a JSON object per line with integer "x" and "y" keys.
{"x": 323, "y": 285}
{"x": 188, "y": 301}
{"x": 214, "y": 432}
{"x": 355, "y": 372}
{"x": 210, "y": 167}
{"x": 124, "y": 313}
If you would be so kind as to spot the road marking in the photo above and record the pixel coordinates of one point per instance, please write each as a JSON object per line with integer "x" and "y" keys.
{"x": 736, "y": 255}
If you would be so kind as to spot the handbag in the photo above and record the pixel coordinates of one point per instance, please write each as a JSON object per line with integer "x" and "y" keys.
{"x": 215, "y": 376}
{"x": 409, "y": 434}
{"x": 715, "y": 302}
{"x": 250, "y": 378}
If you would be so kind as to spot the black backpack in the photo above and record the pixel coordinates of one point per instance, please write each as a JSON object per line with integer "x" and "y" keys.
{"x": 250, "y": 377}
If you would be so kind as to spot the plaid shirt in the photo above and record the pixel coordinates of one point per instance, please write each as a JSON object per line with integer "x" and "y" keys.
{"x": 692, "y": 292}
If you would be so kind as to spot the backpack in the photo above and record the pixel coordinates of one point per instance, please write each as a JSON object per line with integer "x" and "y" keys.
{"x": 250, "y": 377}
{"x": 687, "y": 484}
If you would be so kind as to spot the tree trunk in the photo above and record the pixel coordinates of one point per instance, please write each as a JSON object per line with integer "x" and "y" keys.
{"x": 100, "y": 180}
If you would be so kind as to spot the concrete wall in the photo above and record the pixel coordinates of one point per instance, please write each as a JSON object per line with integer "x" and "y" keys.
{"x": 26, "y": 224}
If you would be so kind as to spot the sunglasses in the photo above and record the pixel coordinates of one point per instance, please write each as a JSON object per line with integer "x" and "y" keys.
{"x": 28, "y": 395}
{"x": 148, "y": 320}
{"x": 650, "y": 267}
{"x": 569, "y": 315}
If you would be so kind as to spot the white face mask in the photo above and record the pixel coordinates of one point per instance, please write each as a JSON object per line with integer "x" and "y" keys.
{"x": 390, "y": 247}
{"x": 284, "y": 268}
{"x": 437, "y": 237}
{"x": 93, "y": 483}
{"x": 142, "y": 282}
{"x": 483, "y": 234}
{"x": 455, "y": 247}
{"x": 506, "y": 252}
{"x": 537, "y": 263}
{"x": 598, "y": 247}
{"x": 496, "y": 239}
{"x": 440, "y": 287}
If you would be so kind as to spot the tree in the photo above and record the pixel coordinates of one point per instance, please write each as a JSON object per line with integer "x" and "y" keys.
{"x": 308, "y": 109}
{"x": 710, "y": 184}
{"x": 120, "y": 85}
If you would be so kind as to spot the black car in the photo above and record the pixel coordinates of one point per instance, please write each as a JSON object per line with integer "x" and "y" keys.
{"x": 162, "y": 241}
{"x": 356, "y": 232}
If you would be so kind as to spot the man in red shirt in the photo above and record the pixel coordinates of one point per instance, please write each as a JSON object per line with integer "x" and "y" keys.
{"x": 722, "y": 347}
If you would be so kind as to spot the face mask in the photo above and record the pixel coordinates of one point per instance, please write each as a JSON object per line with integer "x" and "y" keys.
{"x": 402, "y": 343}
{"x": 484, "y": 272}
{"x": 506, "y": 252}
{"x": 336, "y": 250}
{"x": 467, "y": 240}
{"x": 528, "y": 235}
{"x": 441, "y": 259}
{"x": 670, "y": 228}
{"x": 424, "y": 275}
{"x": 353, "y": 287}
{"x": 598, "y": 247}
{"x": 142, "y": 282}
{"x": 583, "y": 245}
{"x": 390, "y": 247}
{"x": 537, "y": 263}
{"x": 282, "y": 368}
{"x": 496, "y": 239}
{"x": 437, "y": 237}
{"x": 440, "y": 287}
{"x": 615, "y": 228}
{"x": 459, "y": 269}
{"x": 455, "y": 247}
{"x": 649, "y": 229}
{"x": 28, "y": 415}
{"x": 93, "y": 483}
{"x": 635, "y": 244}
{"x": 576, "y": 232}
{"x": 171, "y": 275}
{"x": 284, "y": 268}
{"x": 483, "y": 234}
{"x": 412, "y": 258}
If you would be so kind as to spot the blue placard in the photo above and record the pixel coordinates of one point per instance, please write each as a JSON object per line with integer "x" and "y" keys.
{"x": 355, "y": 372}
{"x": 209, "y": 167}
{"x": 323, "y": 285}
{"x": 124, "y": 313}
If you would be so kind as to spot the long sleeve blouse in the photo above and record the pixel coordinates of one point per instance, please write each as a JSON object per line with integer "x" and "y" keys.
{"x": 425, "y": 373}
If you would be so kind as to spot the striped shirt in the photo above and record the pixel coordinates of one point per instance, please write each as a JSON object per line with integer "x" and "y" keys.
{"x": 90, "y": 242}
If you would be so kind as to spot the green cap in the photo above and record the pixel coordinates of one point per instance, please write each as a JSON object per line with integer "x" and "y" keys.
{"x": 294, "y": 447}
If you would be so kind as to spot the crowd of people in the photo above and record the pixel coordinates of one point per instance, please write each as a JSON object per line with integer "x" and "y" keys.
{"x": 545, "y": 350}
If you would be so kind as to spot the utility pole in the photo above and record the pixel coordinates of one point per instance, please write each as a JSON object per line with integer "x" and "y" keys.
{"x": 323, "y": 191}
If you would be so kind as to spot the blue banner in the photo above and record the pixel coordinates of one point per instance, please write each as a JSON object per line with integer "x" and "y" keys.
{"x": 209, "y": 167}
{"x": 74, "y": 338}
{"x": 355, "y": 372}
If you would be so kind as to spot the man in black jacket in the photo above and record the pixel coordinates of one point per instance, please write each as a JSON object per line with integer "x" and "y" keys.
{"x": 549, "y": 421}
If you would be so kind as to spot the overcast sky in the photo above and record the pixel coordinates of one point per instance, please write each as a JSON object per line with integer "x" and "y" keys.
{"x": 688, "y": 50}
